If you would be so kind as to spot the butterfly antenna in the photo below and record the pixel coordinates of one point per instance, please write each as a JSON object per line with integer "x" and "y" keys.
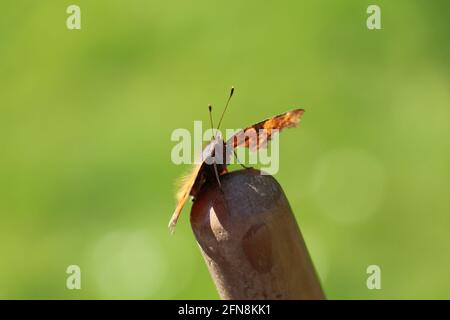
{"x": 226, "y": 106}
{"x": 211, "y": 120}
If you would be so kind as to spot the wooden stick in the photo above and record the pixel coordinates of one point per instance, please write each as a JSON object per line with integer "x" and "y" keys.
{"x": 250, "y": 240}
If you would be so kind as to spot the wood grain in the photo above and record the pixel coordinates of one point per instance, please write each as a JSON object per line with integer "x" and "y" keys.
{"x": 250, "y": 240}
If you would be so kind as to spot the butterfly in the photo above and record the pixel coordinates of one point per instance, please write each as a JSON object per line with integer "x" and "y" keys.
{"x": 252, "y": 137}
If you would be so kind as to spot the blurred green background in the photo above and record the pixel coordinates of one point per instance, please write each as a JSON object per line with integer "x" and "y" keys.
{"x": 86, "y": 116}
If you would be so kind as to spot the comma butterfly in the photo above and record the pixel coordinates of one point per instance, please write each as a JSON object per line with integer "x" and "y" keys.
{"x": 253, "y": 137}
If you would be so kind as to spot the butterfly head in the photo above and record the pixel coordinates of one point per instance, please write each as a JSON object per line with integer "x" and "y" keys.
{"x": 214, "y": 149}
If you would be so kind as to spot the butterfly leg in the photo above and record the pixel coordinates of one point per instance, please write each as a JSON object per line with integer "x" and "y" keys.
{"x": 217, "y": 175}
{"x": 237, "y": 159}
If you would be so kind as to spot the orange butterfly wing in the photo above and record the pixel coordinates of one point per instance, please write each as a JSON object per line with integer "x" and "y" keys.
{"x": 192, "y": 183}
{"x": 257, "y": 135}
{"x": 187, "y": 183}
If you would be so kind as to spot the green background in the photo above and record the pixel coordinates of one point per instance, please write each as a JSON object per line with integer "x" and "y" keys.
{"x": 86, "y": 116}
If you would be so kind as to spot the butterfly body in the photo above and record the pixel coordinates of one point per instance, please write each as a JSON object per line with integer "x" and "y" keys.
{"x": 209, "y": 165}
{"x": 217, "y": 153}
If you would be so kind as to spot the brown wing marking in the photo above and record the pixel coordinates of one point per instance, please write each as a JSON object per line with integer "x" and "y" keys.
{"x": 257, "y": 135}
